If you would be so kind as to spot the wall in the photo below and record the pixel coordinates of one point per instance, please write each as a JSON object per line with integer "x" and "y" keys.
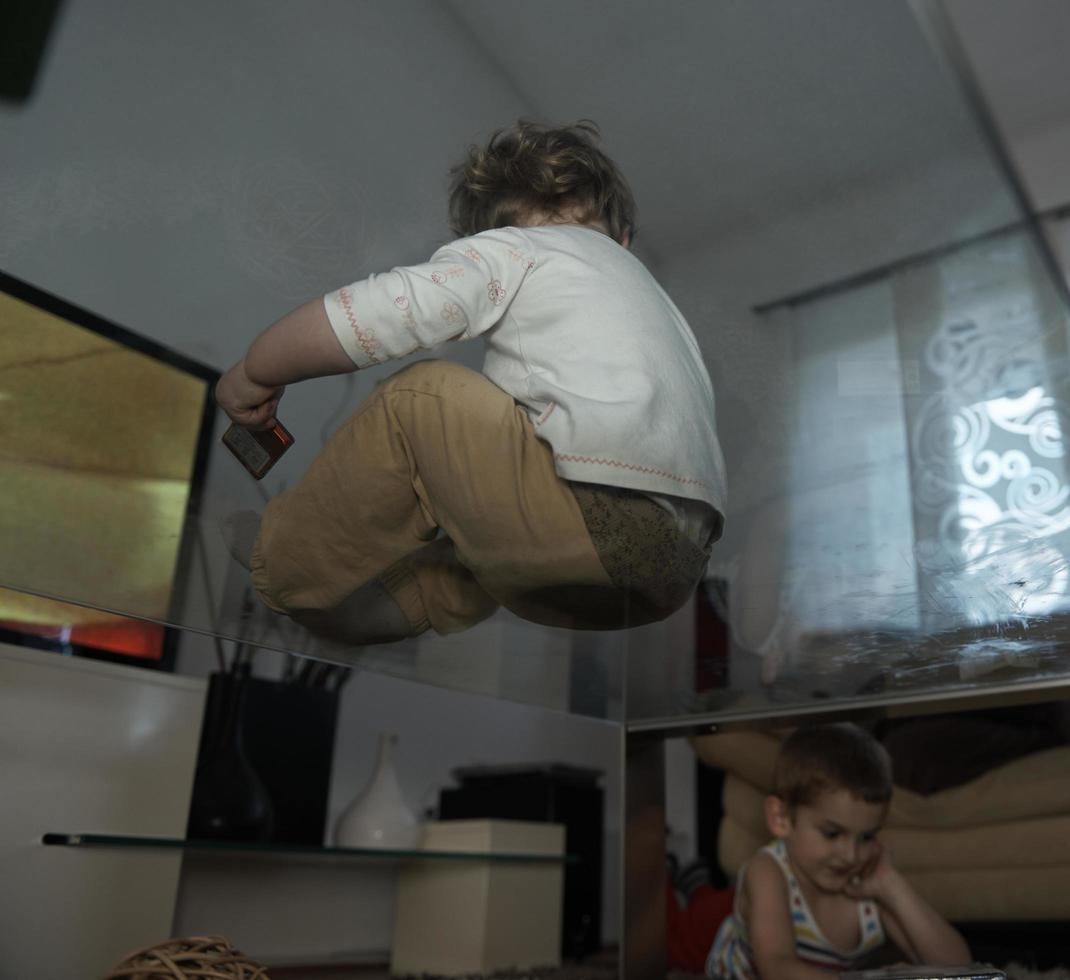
{"x": 1020, "y": 65}
{"x": 88, "y": 747}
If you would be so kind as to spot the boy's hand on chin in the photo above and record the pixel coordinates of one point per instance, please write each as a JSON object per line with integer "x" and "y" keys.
{"x": 875, "y": 878}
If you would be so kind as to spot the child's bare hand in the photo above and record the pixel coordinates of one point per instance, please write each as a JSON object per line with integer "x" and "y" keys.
{"x": 246, "y": 402}
{"x": 874, "y": 877}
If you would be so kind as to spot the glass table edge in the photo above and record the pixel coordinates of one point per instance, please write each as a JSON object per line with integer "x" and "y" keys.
{"x": 848, "y": 709}
{"x": 56, "y": 839}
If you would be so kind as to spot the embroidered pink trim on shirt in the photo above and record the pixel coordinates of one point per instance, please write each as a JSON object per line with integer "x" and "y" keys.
{"x": 571, "y": 458}
{"x": 366, "y": 338}
{"x": 401, "y": 302}
{"x": 496, "y": 292}
{"x": 452, "y": 313}
{"x": 520, "y": 258}
{"x": 473, "y": 255}
{"x": 545, "y": 415}
{"x": 453, "y": 272}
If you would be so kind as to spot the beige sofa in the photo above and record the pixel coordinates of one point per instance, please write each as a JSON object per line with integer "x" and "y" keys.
{"x": 994, "y": 849}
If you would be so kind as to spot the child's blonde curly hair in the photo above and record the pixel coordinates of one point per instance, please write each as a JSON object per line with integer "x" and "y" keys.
{"x": 530, "y": 173}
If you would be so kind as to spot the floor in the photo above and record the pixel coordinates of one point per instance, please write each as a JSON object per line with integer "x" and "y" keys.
{"x": 602, "y": 966}
{"x": 1020, "y": 964}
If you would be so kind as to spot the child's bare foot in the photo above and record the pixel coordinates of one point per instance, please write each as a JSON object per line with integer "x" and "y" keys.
{"x": 239, "y": 533}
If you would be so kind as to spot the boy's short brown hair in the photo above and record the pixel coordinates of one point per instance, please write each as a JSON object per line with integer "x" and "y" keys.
{"x": 531, "y": 170}
{"x": 818, "y": 758}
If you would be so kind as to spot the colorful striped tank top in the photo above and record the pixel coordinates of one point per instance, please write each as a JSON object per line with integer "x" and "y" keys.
{"x": 731, "y": 957}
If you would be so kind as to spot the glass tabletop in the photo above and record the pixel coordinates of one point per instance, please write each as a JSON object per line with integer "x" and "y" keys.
{"x": 52, "y": 839}
{"x": 899, "y": 498}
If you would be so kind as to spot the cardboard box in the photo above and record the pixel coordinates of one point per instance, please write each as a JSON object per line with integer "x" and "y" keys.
{"x": 458, "y": 916}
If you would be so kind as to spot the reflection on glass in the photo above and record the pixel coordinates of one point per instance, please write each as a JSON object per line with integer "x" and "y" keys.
{"x": 921, "y": 542}
{"x": 898, "y": 489}
{"x": 989, "y": 474}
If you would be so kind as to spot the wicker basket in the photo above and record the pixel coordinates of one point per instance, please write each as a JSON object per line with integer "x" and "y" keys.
{"x": 194, "y": 958}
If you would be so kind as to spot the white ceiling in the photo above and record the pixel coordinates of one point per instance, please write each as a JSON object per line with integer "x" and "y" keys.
{"x": 774, "y": 145}
{"x": 1020, "y": 52}
{"x": 730, "y": 115}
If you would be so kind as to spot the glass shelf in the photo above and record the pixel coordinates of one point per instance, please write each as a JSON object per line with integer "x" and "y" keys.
{"x": 252, "y": 847}
{"x": 894, "y": 416}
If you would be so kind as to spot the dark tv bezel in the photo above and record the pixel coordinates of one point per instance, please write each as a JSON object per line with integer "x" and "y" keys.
{"x": 81, "y": 317}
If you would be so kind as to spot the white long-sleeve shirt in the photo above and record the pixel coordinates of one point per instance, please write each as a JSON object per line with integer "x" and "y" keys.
{"x": 577, "y": 331}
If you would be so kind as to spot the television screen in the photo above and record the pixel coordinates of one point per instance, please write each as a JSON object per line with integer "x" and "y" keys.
{"x": 105, "y": 437}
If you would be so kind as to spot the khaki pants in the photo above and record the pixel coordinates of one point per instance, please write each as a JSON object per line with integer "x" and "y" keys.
{"x": 439, "y": 487}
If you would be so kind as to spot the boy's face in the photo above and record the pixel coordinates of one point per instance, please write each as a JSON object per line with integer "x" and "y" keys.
{"x": 830, "y": 840}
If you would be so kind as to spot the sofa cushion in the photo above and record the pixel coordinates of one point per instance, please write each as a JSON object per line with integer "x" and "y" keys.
{"x": 995, "y": 848}
{"x": 751, "y": 755}
{"x": 935, "y": 752}
{"x": 1036, "y": 785}
{"x": 997, "y": 895}
{"x": 1035, "y": 890}
{"x": 1022, "y": 843}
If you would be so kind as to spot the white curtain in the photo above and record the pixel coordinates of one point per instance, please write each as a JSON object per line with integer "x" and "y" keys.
{"x": 927, "y": 486}
{"x": 827, "y": 551}
{"x": 987, "y": 427}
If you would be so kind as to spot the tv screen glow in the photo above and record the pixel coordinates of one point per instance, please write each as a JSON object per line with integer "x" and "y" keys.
{"x": 103, "y": 440}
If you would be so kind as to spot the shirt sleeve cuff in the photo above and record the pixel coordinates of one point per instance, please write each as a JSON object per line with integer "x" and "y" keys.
{"x": 357, "y": 339}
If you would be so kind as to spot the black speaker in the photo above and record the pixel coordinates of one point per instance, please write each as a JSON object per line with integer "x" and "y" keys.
{"x": 264, "y": 763}
{"x": 289, "y": 735}
{"x": 552, "y": 793}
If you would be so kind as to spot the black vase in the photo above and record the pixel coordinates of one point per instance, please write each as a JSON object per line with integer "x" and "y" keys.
{"x": 229, "y": 800}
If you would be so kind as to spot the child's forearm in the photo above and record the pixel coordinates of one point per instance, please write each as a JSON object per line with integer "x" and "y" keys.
{"x": 935, "y": 941}
{"x": 301, "y": 345}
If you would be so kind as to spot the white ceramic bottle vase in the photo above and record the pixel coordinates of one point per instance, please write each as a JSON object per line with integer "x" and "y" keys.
{"x": 379, "y": 816}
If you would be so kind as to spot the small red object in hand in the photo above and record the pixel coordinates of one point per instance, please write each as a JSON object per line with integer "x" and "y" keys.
{"x": 256, "y": 450}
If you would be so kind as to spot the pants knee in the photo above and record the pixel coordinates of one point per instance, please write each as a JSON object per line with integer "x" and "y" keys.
{"x": 432, "y": 376}
{"x": 461, "y": 392}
